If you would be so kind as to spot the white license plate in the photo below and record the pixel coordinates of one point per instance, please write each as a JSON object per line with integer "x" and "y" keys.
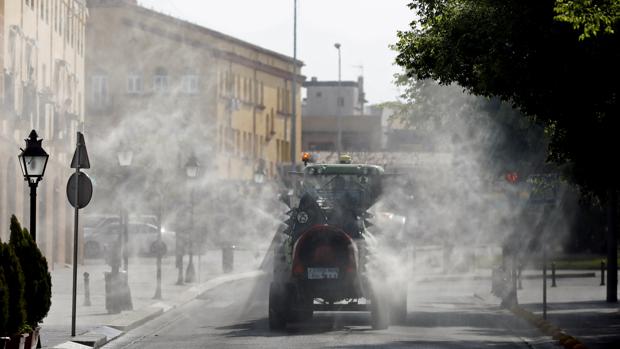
{"x": 322, "y": 273}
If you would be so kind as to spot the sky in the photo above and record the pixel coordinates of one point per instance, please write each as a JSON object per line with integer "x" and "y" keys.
{"x": 364, "y": 28}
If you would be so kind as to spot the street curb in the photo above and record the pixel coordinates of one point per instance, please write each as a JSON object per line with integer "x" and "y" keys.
{"x": 100, "y": 336}
{"x": 546, "y": 327}
{"x": 529, "y": 341}
{"x": 130, "y": 320}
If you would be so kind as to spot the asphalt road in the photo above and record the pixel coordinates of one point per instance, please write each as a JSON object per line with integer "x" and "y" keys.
{"x": 441, "y": 314}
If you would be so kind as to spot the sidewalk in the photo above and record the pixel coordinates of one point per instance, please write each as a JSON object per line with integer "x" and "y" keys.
{"x": 577, "y": 305}
{"x": 94, "y": 323}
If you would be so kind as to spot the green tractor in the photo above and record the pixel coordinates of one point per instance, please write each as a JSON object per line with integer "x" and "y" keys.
{"x": 325, "y": 259}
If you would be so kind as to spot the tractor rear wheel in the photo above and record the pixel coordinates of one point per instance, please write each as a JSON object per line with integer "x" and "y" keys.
{"x": 278, "y": 301}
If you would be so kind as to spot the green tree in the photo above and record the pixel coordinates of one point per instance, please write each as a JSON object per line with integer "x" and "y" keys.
{"x": 4, "y": 301}
{"x": 38, "y": 281}
{"x": 507, "y": 140}
{"x": 589, "y": 17}
{"x": 517, "y": 51}
{"x": 15, "y": 282}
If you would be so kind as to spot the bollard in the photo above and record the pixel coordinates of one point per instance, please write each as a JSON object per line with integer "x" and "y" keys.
{"x": 117, "y": 292}
{"x": 228, "y": 258}
{"x": 602, "y": 273}
{"x": 553, "y": 284}
{"x": 86, "y": 289}
{"x": 520, "y": 271}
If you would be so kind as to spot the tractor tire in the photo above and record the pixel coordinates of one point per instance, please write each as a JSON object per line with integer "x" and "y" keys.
{"x": 307, "y": 313}
{"x": 278, "y": 310}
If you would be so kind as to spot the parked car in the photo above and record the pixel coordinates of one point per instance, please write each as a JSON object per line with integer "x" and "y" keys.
{"x": 96, "y": 220}
{"x": 141, "y": 239}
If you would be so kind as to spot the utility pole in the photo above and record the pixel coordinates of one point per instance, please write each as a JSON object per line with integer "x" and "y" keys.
{"x": 339, "y": 116}
{"x": 294, "y": 92}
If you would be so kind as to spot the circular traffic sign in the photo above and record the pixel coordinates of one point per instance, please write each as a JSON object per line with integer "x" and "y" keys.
{"x": 85, "y": 189}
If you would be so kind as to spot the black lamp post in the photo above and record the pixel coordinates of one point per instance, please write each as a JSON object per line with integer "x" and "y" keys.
{"x": 159, "y": 247}
{"x": 191, "y": 169}
{"x": 124, "y": 156}
{"x": 33, "y": 161}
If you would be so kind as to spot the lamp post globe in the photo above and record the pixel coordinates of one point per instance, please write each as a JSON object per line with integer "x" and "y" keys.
{"x": 33, "y": 159}
{"x": 259, "y": 177}
{"x": 124, "y": 156}
{"x": 192, "y": 166}
{"x": 33, "y": 162}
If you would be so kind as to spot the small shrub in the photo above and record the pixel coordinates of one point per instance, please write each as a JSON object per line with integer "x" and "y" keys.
{"x": 15, "y": 283}
{"x": 38, "y": 281}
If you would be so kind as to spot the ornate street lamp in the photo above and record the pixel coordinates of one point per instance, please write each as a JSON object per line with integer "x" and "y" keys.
{"x": 259, "y": 177}
{"x": 191, "y": 169}
{"x": 33, "y": 161}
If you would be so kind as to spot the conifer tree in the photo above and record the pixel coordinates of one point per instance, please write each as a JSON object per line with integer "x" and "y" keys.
{"x": 15, "y": 284}
{"x": 38, "y": 281}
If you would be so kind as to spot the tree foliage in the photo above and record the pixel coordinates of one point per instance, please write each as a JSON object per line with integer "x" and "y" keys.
{"x": 15, "y": 281}
{"x": 38, "y": 281}
{"x": 515, "y": 50}
{"x": 589, "y": 17}
{"x": 502, "y": 138}
{"x": 4, "y": 301}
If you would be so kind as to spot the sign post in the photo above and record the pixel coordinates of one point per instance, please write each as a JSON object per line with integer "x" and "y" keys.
{"x": 79, "y": 193}
{"x": 544, "y": 192}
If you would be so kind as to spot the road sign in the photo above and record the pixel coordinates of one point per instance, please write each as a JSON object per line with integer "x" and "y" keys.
{"x": 543, "y": 188}
{"x": 512, "y": 177}
{"x": 85, "y": 192}
{"x": 80, "y": 157}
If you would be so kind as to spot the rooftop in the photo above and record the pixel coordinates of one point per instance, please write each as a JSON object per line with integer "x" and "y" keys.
{"x": 189, "y": 25}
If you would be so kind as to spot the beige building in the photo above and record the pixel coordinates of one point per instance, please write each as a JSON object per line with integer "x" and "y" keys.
{"x": 166, "y": 87}
{"x": 42, "y": 56}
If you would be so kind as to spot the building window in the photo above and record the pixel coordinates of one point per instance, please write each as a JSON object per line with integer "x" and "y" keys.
{"x": 55, "y": 16}
{"x": 67, "y": 24}
{"x": 134, "y": 84}
{"x": 30, "y": 62}
{"x": 44, "y": 75}
{"x": 100, "y": 91}
{"x": 160, "y": 80}
{"x": 340, "y": 101}
{"x": 190, "y": 84}
{"x": 60, "y": 18}
{"x": 12, "y": 47}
